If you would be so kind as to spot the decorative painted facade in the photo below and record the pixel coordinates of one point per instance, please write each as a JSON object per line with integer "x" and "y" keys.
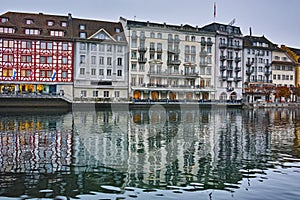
{"x": 36, "y": 54}
{"x": 228, "y": 61}
{"x": 168, "y": 62}
{"x": 295, "y": 55}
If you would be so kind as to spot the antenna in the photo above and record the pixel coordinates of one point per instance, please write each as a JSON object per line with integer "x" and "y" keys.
{"x": 134, "y": 17}
{"x": 232, "y": 22}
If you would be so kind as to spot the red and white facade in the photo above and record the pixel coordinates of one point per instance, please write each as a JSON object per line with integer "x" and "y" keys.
{"x": 35, "y": 61}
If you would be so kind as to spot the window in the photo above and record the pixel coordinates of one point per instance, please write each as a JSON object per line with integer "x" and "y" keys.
{"x": 277, "y": 58}
{"x": 187, "y": 38}
{"x": 193, "y": 39}
{"x": 82, "y": 59}
{"x": 50, "y": 23}
{"x": 65, "y": 46}
{"x": 93, "y": 60}
{"x": 118, "y": 30}
{"x": 119, "y": 38}
{"x": 95, "y": 93}
{"x": 26, "y": 58}
{"x": 108, "y": 72}
{"x": 64, "y": 74}
{"x": 108, "y": 61}
{"x": 46, "y": 59}
{"x": 7, "y": 30}
{"x": 94, "y": 47}
{"x": 29, "y": 31}
{"x": 101, "y": 72}
{"x": 133, "y": 67}
{"x": 158, "y": 56}
{"x": 133, "y": 81}
{"x": 159, "y": 36}
{"x": 119, "y": 73}
{"x": 141, "y": 67}
{"x": 102, "y": 47}
{"x": 120, "y": 49}
{"x": 291, "y": 77}
{"x": 93, "y": 72}
{"x": 29, "y": 21}
{"x": 82, "y": 71}
{"x": 57, "y": 33}
{"x": 101, "y": 60}
{"x": 274, "y": 76}
{"x": 117, "y": 94}
{"x": 49, "y": 45}
{"x": 4, "y": 19}
{"x": 159, "y": 46}
{"x": 64, "y": 24}
{"x": 83, "y": 93}
{"x": 82, "y": 46}
{"x": 278, "y": 76}
{"x": 65, "y": 60}
{"x": 106, "y": 93}
{"x": 9, "y": 58}
{"x": 134, "y": 55}
{"x": 82, "y": 27}
{"x": 119, "y": 61}
{"x": 152, "y": 35}
{"x": 109, "y": 48}
{"x": 82, "y": 34}
{"x": 26, "y": 45}
{"x": 49, "y": 73}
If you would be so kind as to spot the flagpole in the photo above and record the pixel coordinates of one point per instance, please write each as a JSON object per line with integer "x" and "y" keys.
{"x": 215, "y": 11}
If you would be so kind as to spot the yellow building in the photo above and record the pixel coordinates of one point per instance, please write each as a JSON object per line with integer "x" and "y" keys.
{"x": 295, "y": 55}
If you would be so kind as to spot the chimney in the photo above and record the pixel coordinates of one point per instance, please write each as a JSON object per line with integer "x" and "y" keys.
{"x": 250, "y": 29}
{"x": 69, "y": 16}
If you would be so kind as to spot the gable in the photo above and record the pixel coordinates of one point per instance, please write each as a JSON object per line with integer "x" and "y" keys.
{"x": 102, "y": 35}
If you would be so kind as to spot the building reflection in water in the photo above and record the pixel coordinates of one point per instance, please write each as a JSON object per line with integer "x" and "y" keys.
{"x": 142, "y": 148}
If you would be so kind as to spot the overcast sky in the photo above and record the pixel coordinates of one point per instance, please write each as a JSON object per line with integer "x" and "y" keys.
{"x": 276, "y": 19}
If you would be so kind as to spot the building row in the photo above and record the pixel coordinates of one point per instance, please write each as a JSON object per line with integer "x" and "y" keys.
{"x": 93, "y": 60}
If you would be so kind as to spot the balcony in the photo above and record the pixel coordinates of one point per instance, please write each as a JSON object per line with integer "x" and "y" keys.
{"x": 203, "y": 42}
{"x": 174, "y": 51}
{"x": 238, "y": 59}
{"x": 223, "y": 45}
{"x": 237, "y": 79}
{"x": 152, "y": 49}
{"x": 230, "y": 58}
{"x": 229, "y": 89}
{"x": 248, "y": 64}
{"x": 238, "y": 47}
{"x": 142, "y": 49}
{"x": 268, "y": 65}
{"x": 176, "y": 40}
{"x": 142, "y": 60}
{"x": 237, "y": 69}
{"x": 209, "y": 43}
{"x": 268, "y": 73}
{"x": 203, "y": 64}
{"x": 191, "y": 74}
{"x": 223, "y": 68}
{"x": 222, "y": 58}
{"x": 170, "y": 40}
{"x": 159, "y": 50}
{"x": 230, "y": 68}
{"x": 174, "y": 62}
{"x": 249, "y": 72}
{"x": 203, "y": 53}
{"x": 224, "y": 77}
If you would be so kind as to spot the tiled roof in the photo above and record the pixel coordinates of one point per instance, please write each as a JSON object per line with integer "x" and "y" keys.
{"x": 72, "y": 30}
{"x": 216, "y": 27}
{"x": 249, "y": 40}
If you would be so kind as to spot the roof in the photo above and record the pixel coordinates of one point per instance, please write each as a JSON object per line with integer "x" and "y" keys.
{"x": 249, "y": 41}
{"x": 218, "y": 28}
{"x": 283, "y": 63}
{"x": 17, "y": 20}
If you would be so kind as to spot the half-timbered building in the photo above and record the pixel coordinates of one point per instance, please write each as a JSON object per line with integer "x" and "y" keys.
{"x": 36, "y": 54}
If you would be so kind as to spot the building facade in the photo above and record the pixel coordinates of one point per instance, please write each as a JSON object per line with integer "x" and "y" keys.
{"x": 295, "y": 55}
{"x": 36, "y": 54}
{"x": 228, "y": 61}
{"x": 257, "y": 59}
{"x": 283, "y": 68}
{"x": 168, "y": 62}
{"x": 100, "y": 61}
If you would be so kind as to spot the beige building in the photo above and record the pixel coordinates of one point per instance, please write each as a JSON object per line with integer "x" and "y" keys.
{"x": 283, "y": 72}
{"x": 168, "y": 62}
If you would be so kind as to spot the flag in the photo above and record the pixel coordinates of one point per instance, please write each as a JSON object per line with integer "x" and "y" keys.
{"x": 215, "y": 10}
{"x": 53, "y": 75}
{"x": 14, "y": 75}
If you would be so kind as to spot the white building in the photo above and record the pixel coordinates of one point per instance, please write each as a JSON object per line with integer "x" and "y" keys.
{"x": 228, "y": 61}
{"x": 100, "y": 61}
{"x": 168, "y": 62}
{"x": 257, "y": 59}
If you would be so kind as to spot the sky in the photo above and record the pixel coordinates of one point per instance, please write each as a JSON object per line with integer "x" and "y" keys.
{"x": 277, "y": 20}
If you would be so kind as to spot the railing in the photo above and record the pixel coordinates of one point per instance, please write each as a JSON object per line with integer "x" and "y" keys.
{"x": 142, "y": 60}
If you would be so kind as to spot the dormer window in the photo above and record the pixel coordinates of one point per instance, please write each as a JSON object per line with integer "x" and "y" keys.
{"x": 4, "y": 19}
{"x": 64, "y": 24}
{"x": 29, "y": 21}
{"x": 119, "y": 38}
{"x": 82, "y": 35}
{"x": 50, "y": 23}
{"x": 118, "y": 30}
{"x": 82, "y": 27}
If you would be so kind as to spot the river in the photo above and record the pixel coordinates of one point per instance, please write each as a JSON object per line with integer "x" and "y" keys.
{"x": 205, "y": 153}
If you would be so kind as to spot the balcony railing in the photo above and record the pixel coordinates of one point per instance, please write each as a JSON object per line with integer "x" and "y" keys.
{"x": 238, "y": 59}
{"x": 174, "y": 51}
{"x": 203, "y": 42}
{"x": 209, "y": 43}
{"x": 237, "y": 69}
{"x": 236, "y": 79}
{"x": 249, "y": 72}
{"x": 268, "y": 73}
{"x": 223, "y": 45}
{"x": 143, "y": 49}
{"x": 142, "y": 60}
{"x": 229, "y": 89}
{"x": 173, "y": 62}
{"x": 223, "y": 68}
{"x": 223, "y": 57}
{"x": 203, "y": 53}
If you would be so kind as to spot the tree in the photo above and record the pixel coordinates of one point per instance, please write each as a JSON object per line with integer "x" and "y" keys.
{"x": 282, "y": 91}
